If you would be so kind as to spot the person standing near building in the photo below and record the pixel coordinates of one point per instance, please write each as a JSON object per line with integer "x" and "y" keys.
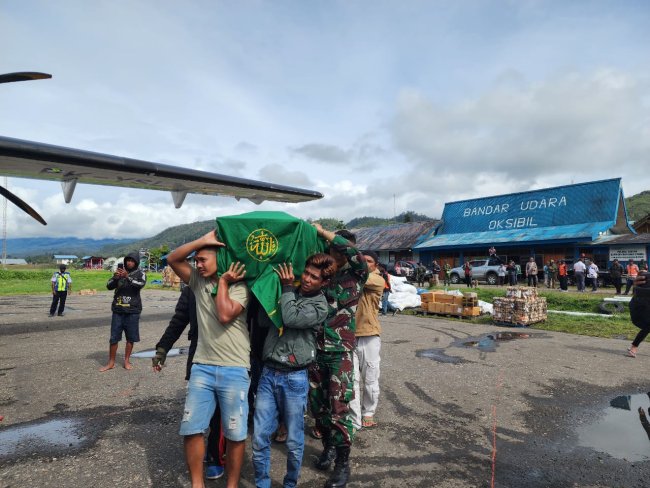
{"x": 366, "y": 354}
{"x": 435, "y": 276}
{"x": 531, "y": 272}
{"x": 283, "y": 384}
{"x": 512, "y": 273}
{"x": 447, "y": 274}
{"x": 632, "y": 271}
{"x": 615, "y": 274}
{"x": 127, "y": 281}
{"x": 518, "y": 268}
{"x": 61, "y": 285}
{"x": 331, "y": 377}
{"x": 563, "y": 275}
{"x": 552, "y": 274}
{"x": 501, "y": 274}
{"x": 467, "y": 270}
{"x": 579, "y": 269}
{"x": 219, "y": 375}
{"x": 592, "y": 274}
{"x": 420, "y": 273}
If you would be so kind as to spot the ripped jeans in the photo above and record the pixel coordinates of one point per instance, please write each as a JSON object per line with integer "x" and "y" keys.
{"x": 209, "y": 385}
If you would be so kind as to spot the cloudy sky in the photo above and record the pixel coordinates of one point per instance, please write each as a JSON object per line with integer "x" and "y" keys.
{"x": 382, "y": 106}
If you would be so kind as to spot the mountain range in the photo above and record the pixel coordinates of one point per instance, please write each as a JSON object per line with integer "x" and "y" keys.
{"x": 638, "y": 206}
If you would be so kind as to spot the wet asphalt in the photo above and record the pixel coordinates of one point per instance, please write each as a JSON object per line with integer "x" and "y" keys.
{"x": 67, "y": 425}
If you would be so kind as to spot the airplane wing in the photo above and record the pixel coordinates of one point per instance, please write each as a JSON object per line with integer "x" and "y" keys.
{"x": 27, "y": 159}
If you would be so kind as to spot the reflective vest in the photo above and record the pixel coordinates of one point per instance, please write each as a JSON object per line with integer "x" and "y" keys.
{"x": 61, "y": 281}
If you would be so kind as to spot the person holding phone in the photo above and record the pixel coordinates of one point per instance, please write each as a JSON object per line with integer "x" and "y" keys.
{"x": 127, "y": 281}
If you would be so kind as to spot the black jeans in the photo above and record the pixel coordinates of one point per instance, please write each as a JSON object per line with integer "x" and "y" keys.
{"x": 58, "y": 298}
{"x": 640, "y": 315}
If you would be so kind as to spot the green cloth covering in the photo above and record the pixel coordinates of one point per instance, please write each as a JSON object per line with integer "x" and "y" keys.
{"x": 261, "y": 241}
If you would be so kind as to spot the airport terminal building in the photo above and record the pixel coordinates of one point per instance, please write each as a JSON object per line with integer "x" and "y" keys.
{"x": 553, "y": 223}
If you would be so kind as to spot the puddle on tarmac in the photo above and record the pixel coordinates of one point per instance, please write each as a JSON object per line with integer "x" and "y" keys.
{"x": 619, "y": 431}
{"x": 149, "y": 353}
{"x": 40, "y": 437}
{"x": 438, "y": 355}
{"x": 489, "y": 342}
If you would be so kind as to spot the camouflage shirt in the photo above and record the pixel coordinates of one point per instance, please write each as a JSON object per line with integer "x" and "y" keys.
{"x": 343, "y": 293}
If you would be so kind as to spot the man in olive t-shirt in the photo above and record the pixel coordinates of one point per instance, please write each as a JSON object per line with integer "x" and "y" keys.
{"x": 221, "y": 362}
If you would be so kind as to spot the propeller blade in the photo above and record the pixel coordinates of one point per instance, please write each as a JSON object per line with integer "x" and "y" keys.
{"x": 23, "y": 76}
{"x": 21, "y": 205}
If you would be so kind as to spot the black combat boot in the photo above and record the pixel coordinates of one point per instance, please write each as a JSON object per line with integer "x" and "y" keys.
{"x": 341, "y": 473}
{"x": 326, "y": 457}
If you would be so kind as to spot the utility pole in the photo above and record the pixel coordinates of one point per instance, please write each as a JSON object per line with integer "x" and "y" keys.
{"x": 4, "y": 226}
{"x": 394, "y": 211}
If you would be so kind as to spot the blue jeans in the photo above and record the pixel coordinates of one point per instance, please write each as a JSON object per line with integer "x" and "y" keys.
{"x": 209, "y": 385}
{"x": 384, "y": 302}
{"x": 284, "y": 394}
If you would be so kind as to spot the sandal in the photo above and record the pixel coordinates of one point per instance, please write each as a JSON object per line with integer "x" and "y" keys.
{"x": 631, "y": 353}
{"x": 315, "y": 433}
{"x": 368, "y": 423}
{"x": 280, "y": 436}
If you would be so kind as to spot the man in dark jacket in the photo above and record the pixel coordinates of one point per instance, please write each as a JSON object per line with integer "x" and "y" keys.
{"x": 186, "y": 313}
{"x": 615, "y": 273}
{"x": 127, "y": 281}
{"x": 283, "y": 385}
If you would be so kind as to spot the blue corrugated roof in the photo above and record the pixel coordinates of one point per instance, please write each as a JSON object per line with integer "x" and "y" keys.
{"x": 540, "y": 234}
{"x": 569, "y": 212}
{"x": 65, "y": 256}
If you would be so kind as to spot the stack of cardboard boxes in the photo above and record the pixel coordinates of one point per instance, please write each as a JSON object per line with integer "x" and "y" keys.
{"x": 447, "y": 304}
{"x": 521, "y": 306}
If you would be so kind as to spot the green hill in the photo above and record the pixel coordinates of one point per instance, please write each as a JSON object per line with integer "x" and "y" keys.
{"x": 172, "y": 237}
{"x": 638, "y": 206}
{"x": 180, "y": 234}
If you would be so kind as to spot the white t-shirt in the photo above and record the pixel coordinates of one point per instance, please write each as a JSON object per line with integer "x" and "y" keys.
{"x": 218, "y": 344}
{"x": 579, "y": 267}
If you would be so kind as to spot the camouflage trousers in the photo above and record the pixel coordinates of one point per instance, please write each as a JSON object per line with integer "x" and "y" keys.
{"x": 331, "y": 388}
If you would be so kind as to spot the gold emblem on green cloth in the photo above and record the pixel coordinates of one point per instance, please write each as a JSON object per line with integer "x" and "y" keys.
{"x": 261, "y": 245}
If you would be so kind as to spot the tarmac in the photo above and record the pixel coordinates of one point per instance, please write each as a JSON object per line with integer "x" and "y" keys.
{"x": 457, "y": 408}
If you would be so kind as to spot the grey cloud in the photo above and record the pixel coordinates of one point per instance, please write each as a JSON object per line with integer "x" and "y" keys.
{"x": 325, "y": 153}
{"x": 276, "y": 173}
{"x": 568, "y": 125}
{"x": 246, "y": 148}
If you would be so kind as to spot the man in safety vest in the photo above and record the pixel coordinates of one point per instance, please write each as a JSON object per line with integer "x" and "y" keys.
{"x": 61, "y": 285}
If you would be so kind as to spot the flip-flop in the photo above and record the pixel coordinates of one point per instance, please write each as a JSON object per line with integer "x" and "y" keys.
{"x": 631, "y": 354}
{"x": 315, "y": 433}
{"x": 368, "y": 423}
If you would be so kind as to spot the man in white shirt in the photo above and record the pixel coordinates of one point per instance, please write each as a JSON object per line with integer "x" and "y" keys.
{"x": 579, "y": 269}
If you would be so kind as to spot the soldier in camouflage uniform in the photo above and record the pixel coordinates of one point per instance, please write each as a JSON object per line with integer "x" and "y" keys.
{"x": 331, "y": 377}
{"x": 447, "y": 269}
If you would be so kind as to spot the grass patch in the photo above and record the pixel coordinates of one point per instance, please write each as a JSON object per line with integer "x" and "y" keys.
{"x": 35, "y": 282}
{"x": 616, "y": 327}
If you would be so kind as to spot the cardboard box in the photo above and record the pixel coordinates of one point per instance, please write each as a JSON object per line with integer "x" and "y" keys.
{"x": 427, "y": 297}
{"x": 458, "y": 300}
{"x": 453, "y": 309}
{"x": 472, "y": 311}
{"x": 444, "y": 298}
